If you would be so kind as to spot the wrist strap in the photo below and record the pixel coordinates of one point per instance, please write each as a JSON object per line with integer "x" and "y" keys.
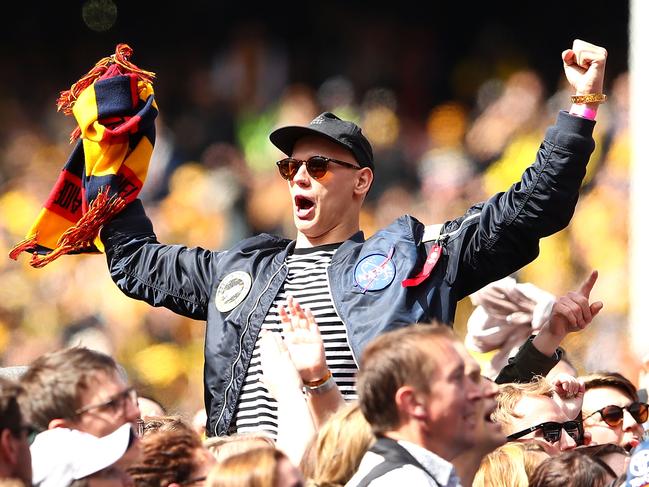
{"x": 584, "y": 111}
{"x": 589, "y": 98}
{"x": 318, "y": 382}
{"x": 323, "y": 387}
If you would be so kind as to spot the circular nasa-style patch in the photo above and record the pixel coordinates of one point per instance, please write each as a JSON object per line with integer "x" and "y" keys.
{"x": 232, "y": 291}
{"x": 374, "y": 272}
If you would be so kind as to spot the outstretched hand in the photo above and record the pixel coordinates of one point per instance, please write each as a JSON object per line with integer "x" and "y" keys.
{"x": 303, "y": 340}
{"x": 584, "y": 66}
{"x": 573, "y": 312}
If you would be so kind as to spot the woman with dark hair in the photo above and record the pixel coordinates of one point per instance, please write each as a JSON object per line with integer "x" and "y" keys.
{"x": 570, "y": 469}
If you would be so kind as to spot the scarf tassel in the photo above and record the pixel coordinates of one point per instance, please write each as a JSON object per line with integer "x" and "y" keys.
{"x": 80, "y": 237}
{"x": 123, "y": 53}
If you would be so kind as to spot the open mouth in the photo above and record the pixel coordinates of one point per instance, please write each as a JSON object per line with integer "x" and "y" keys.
{"x": 303, "y": 206}
{"x": 631, "y": 444}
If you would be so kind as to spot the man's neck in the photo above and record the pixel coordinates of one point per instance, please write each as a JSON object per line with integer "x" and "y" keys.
{"x": 334, "y": 236}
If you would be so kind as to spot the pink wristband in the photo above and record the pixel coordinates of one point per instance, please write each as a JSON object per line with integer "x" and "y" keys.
{"x": 583, "y": 111}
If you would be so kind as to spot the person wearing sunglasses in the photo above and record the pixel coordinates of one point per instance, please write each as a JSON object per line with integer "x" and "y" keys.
{"x": 612, "y": 411}
{"x": 359, "y": 286}
{"x": 16, "y": 435}
{"x": 535, "y": 410}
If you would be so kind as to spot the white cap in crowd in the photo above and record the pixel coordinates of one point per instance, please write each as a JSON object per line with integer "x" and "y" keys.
{"x": 61, "y": 455}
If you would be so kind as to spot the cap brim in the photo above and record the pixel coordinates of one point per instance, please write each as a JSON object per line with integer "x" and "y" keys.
{"x": 285, "y": 138}
{"x": 61, "y": 455}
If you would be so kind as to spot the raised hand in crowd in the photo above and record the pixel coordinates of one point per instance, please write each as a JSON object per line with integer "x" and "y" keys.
{"x": 281, "y": 378}
{"x": 584, "y": 67}
{"x": 571, "y": 312}
{"x": 569, "y": 393}
{"x": 304, "y": 342}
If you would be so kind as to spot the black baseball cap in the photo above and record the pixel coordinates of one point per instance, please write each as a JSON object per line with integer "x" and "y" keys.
{"x": 327, "y": 125}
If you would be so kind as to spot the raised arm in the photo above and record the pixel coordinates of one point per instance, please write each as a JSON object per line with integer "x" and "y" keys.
{"x": 502, "y": 234}
{"x": 570, "y": 313}
{"x": 172, "y": 276}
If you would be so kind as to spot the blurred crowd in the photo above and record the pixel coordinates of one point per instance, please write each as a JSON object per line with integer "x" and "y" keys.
{"x": 212, "y": 181}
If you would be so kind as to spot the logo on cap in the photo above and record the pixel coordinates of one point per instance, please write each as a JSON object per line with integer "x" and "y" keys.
{"x": 232, "y": 291}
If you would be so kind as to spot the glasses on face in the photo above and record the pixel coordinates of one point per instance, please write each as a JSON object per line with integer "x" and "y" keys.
{"x": 552, "y": 431}
{"x": 316, "y": 166}
{"x": 114, "y": 404}
{"x": 139, "y": 427}
{"x": 614, "y": 415}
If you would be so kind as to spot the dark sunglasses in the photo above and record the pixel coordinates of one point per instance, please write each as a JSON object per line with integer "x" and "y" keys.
{"x": 614, "y": 415}
{"x": 552, "y": 431}
{"x": 316, "y": 166}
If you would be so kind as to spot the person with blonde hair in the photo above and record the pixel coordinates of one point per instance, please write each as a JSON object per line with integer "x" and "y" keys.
{"x": 335, "y": 452}
{"x": 223, "y": 447}
{"x": 542, "y": 410}
{"x": 259, "y": 467}
{"x": 510, "y": 465}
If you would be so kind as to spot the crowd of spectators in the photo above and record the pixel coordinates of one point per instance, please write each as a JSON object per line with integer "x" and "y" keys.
{"x": 212, "y": 182}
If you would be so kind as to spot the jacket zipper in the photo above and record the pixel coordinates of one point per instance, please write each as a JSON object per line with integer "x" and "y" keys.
{"x": 243, "y": 333}
{"x": 446, "y": 236}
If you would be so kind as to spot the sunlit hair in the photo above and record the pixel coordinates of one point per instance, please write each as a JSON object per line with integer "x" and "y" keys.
{"x": 613, "y": 380}
{"x": 166, "y": 457}
{"x": 165, "y": 423}
{"x": 222, "y": 447}
{"x": 252, "y": 468}
{"x": 12, "y": 483}
{"x": 509, "y": 395}
{"x": 570, "y": 469}
{"x": 406, "y": 356}
{"x": 334, "y": 454}
{"x": 55, "y": 381}
{"x": 510, "y": 465}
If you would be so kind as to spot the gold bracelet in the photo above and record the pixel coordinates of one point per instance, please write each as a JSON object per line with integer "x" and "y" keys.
{"x": 319, "y": 382}
{"x": 589, "y": 98}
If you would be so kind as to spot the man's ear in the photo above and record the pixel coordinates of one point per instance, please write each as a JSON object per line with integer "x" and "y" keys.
{"x": 364, "y": 178}
{"x": 8, "y": 447}
{"x": 409, "y": 403}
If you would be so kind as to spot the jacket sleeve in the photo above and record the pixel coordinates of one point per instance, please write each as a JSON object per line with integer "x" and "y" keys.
{"x": 173, "y": 276}
{"x": 527, "y": 363}
{"x": 505, "y": 236}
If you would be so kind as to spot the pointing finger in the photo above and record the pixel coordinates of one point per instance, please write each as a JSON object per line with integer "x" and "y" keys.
{"x": 588, "y": 284}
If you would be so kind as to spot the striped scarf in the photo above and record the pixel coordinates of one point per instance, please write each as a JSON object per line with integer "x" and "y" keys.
{"x": 115, "y": 110}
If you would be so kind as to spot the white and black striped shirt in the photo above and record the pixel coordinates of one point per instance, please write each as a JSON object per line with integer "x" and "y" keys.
{"x": 307, "y": 283}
